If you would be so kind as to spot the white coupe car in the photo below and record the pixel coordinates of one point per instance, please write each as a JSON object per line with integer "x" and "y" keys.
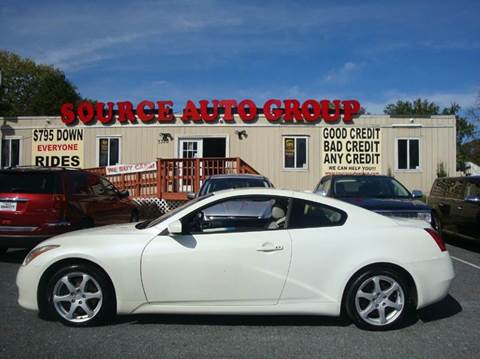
{"x": 252, "y": 251}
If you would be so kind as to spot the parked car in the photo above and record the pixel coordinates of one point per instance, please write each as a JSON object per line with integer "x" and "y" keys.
{"x": 382, "y": 194}
{"x": 37, "y": 203}
{"x": 310, "y": 255}
{"x": 217, "y": 183}
{"x": 456, "y": 206}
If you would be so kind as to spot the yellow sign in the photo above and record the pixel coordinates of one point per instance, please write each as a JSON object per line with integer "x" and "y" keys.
{"x": 57, "y": 147}
{"x": 355, "y": 150}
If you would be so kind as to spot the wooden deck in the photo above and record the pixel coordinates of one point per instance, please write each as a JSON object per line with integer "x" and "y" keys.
{"x": 175, "y": 177}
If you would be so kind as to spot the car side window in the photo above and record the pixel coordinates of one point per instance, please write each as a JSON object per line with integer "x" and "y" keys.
{"x": 95, "y": 185}
{"x": 306, "y": 214}
{"x": 456, "y": 189}
{"x": 439, "y": 187}
{"x": 77, "y": 184}
{"x": 472, "y": 189}
{"x": 242, "y": 214}
{"x": 109, "y": 188}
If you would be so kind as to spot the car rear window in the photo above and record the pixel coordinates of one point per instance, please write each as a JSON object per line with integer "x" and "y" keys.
{"x": 30, "y": 182}
{"x": 215, "y": 185}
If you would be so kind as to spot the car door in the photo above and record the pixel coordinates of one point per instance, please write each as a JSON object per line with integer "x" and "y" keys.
{"x": 233, "y": 252}
{"x": 456, "y": 198}
{"x": 470, "y": 219}
{"x": 119, "y": 209}
{"x": 100, "y": 209}
{"x": 316, "y": 250}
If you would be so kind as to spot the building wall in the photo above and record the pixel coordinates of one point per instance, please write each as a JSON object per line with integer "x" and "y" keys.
{"x": 262, "y": 149}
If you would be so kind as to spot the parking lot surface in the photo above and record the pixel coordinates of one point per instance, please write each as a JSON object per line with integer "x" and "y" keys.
{"x": 448, "y": 329}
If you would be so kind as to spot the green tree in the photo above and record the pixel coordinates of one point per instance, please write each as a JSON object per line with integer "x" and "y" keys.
{"x": 417, "y": 107}
{"x": 30, "y": 89}
{"x": 423, "y": 107}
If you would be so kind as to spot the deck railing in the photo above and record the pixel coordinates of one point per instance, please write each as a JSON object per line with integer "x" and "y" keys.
{"x": 175, "y": 177}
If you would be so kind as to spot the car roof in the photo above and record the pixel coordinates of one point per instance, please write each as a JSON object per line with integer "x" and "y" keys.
{"x": 237, "y": 176}
{"x": 278, "y": 192}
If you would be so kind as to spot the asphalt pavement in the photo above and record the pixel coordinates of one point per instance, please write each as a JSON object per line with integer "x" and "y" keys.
{"x": 447, "y": 329}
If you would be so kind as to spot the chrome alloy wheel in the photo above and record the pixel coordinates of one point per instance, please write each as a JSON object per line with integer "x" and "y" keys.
{"x": 77, "y": 297}
{"x": 380, "y": 300}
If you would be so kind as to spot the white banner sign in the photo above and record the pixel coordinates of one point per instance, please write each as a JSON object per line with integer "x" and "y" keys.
{"x": 138, "y": 167}
{"x": 351, "y": 150}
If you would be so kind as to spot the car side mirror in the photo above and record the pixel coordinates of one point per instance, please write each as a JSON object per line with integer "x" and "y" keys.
{"x": 191, "y": 195}
{"x": 124, "y": 194}
{"x": 472, "y": 199}
{"x": 175, "y": 227}
{"x": 417, "y": 194}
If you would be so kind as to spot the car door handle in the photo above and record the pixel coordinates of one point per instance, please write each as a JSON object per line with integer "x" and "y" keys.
{"x": 269, "y": 247}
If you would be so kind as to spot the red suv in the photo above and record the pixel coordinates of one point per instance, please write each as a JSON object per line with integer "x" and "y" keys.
{"x": 37, "y": 203}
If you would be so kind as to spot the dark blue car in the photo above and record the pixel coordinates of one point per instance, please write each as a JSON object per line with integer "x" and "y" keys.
{"x": 381, "y": 194}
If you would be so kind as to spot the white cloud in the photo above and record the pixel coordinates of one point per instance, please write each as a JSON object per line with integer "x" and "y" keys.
{"x": 343, "y": 74}
{"x": 73, "y": 35}
{"x": 443, "y": 99}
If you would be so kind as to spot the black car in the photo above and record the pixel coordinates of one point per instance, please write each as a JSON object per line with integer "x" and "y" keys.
{"x": 456, "y": 206}
{"x": 381, "y": 194}
{"x": 221, "y": 182}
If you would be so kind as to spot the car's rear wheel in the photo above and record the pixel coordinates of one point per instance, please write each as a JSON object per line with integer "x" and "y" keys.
{"x": 79, "y": 295}
{"x": 379, "y": 299}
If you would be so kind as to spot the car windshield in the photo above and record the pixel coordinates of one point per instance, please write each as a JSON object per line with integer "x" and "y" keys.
{"x": 219, "y": 184}
{"x": 372, "y": 187}
{"x": 29, "y": 182}
{"x": 153, "y": 222}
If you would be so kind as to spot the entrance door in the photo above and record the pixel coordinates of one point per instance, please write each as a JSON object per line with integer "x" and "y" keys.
{"x": 188, "y": 148}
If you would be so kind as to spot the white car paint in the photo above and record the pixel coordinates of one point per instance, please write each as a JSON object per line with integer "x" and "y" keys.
{"x": 154, "y": 272}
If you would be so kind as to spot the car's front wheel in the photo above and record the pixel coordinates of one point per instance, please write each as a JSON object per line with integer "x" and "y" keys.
{"x": 379, "y": 299}
{"x": 79, "y": 295}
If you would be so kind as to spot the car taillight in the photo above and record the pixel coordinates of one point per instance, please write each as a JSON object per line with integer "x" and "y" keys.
{"x": 437, "y": 238}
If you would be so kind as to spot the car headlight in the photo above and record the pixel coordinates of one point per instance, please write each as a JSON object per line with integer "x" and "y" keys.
{"x": 426, "y": 216}
{"x": 34, "y": 253}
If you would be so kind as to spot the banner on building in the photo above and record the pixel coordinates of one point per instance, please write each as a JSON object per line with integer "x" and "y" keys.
{"x": 138, "y": 167}
{"x": 355, "y": 150}
{"x": 57, "y": 147}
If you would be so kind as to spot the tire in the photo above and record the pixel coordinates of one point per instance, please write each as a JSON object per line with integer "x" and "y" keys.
{"x": 3, "y": 250}
{"x": 134, "y": 217}
{"x": 378, "y": 291}
{"x": 81, "y": 285}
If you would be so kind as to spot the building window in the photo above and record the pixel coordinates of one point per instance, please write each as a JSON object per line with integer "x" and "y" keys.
{"x": 295, "y": 152}
{"x": 10, "y": 152}
{"x": 108, "y": 151}
{"x": 408, "y": 154}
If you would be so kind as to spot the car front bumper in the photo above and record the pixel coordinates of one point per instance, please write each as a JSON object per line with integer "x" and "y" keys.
{"x": 27, "y": 285}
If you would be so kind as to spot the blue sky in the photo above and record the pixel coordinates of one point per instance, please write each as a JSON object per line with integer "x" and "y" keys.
{"x": 375, "y": 51}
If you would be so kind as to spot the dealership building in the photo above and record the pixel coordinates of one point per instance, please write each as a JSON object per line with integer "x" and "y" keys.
{"x": 174, "y": 158}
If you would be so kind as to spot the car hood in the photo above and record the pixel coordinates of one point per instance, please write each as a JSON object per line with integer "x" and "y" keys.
{"x": 110, "y": 233}
{"x": 387, "y": 204}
